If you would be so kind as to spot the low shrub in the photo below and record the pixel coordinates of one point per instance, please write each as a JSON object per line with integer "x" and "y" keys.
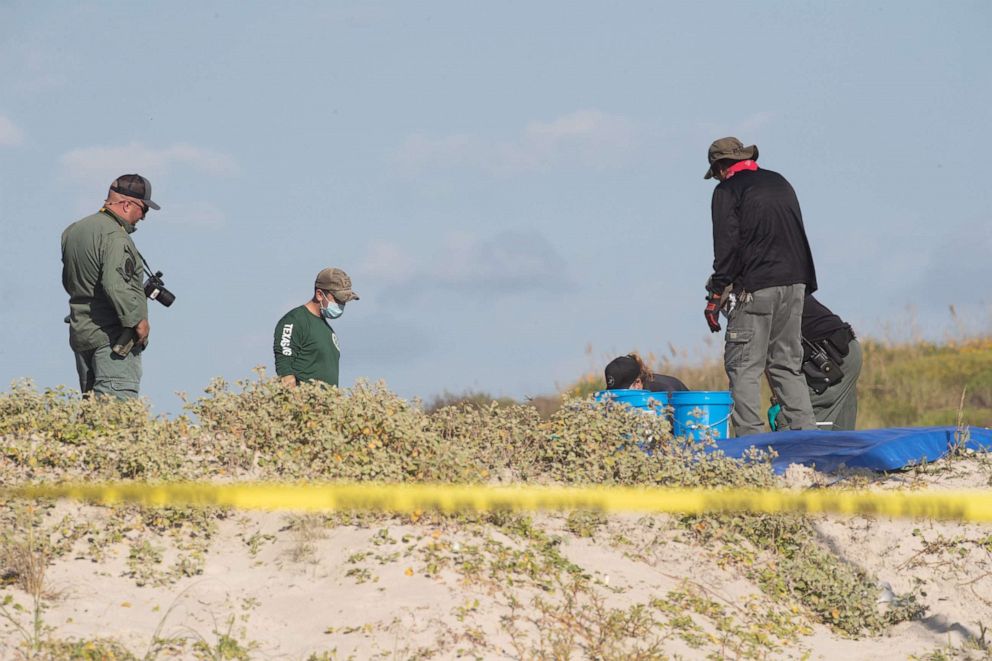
{"x": 316, "y": 431}
{"x": 262, "y": 430}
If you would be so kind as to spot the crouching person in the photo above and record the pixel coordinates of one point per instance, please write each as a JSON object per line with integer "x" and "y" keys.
{"x": 832, "y": 359}
{"x": 630, "y": 372}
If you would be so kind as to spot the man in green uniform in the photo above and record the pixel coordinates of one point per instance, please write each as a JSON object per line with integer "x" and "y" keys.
{"x": 102, "y": 273}
{"x": 305, "y": 345}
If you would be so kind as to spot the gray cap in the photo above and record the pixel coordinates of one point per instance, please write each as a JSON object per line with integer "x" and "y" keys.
{"x": 337, "y": 282}
{"x": 136, "y": 186}
{"x": 730, "y": 149}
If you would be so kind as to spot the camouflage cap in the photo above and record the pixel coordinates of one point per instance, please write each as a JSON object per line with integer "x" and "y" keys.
{"x": 136, "y": 186}
{"x": 337, "y": 282}
{"x": 731, "y": 149}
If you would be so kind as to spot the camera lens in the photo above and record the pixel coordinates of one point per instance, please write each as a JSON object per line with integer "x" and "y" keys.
{"x": 165, "y": 297}
{"x": 157, "y": 292}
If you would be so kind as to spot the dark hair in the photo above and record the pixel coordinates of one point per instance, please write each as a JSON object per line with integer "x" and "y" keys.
{"x": 643, "y": 371}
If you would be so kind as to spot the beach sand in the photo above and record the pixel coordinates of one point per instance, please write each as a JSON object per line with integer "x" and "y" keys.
{"x": 284, "y": 586}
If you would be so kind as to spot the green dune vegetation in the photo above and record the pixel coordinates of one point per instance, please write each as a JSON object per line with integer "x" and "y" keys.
{"x": 527, "y": 585}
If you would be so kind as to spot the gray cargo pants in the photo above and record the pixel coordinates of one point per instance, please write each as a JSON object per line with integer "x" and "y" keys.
{"x": 764, "y": 336}
{"x": 103, "y": 372}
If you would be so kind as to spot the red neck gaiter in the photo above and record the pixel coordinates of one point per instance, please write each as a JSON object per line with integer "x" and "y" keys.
{"x": 740, "y": 165}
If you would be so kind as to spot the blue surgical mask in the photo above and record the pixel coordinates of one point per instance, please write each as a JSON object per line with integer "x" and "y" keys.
{"x": 332, "y": 309}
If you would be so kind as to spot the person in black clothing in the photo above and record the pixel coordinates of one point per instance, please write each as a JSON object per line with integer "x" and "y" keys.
{"x": 762, "y": 269}
{"x": 831, "y": 364}
{"x": 629, "y": 372}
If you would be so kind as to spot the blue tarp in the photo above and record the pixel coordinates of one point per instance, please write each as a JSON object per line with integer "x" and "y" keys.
{"x": 877, "y": 449}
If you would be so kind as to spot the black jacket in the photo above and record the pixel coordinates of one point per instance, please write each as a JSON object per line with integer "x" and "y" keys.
{"x": 664, "y": 383}
{"x": 825, "y": 329}
{"x": 758, "y": 236}
{"x": 818, "y": 321}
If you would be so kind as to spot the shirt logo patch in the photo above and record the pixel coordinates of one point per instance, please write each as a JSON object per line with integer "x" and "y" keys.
{"x": 287, "y": 336}
{"x": 127, "y": 271}
{"x": 334, "y": 336}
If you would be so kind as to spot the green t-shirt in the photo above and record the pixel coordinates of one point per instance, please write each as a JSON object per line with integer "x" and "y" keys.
{"x": 306, "y": 347}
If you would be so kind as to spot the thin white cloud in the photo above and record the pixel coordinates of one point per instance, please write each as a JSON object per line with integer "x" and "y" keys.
{"x": 507, "y": 263}
{"x": 10, "y": 134}
{"x": 588, "y": 138}
{"x": 101, "y": 162}
{"x": 91, "y": 169}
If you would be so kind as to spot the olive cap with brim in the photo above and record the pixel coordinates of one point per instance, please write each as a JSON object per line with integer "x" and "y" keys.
{"x": 730, "y": 149}
{"x": 136, "y": 186}
{"x": 337, "y": 282}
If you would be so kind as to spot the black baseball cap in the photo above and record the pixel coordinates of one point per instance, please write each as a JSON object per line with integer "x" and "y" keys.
{"x": 621, "y": 372}
{"x": 136, "y": 186}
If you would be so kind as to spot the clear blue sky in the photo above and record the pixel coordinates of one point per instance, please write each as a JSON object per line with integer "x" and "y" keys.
{"x": 508, "y": 183}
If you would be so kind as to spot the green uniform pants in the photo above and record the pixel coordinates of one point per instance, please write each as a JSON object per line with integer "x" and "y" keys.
{"x": 764, "y": 336}
{"x": 103, "y": 372}
{"x": 838, "y": 404}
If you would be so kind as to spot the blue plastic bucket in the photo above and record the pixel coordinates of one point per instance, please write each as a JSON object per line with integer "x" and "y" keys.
{"x": 702, "y": 413}
{"x": 639, "y": 399}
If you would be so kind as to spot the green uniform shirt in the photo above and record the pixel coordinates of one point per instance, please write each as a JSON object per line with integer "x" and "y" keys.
{"x": 306, "y": 347}
{"x": 102, "y": 273}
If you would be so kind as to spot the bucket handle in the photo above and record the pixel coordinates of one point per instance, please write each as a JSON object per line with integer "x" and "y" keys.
{"x": 717, "y": 423}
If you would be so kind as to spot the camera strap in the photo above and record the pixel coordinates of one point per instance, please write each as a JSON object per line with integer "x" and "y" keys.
{"x": 148, "y": 269}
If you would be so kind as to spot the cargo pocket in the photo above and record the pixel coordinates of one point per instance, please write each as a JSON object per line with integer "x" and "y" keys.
{"x": 116, "y": 387}
{"x": 758, "y": 306}
{"x": 123, "y": 389}
{"x": 735, "y": 353}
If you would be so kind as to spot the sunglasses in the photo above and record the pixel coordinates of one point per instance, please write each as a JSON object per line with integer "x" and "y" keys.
{"x": 141, "y": 205}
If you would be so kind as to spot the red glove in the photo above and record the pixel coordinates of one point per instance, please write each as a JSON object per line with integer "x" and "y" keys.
{"x": 712, "y": 312}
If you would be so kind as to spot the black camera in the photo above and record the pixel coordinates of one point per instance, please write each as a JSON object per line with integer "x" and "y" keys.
{"x": 155, "y": 290}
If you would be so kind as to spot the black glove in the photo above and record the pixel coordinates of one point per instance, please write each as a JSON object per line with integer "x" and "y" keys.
{"x": 712, "y": 312}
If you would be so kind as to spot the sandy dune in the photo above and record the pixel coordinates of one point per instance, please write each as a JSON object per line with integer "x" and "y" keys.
{"x": 281, "y": 586}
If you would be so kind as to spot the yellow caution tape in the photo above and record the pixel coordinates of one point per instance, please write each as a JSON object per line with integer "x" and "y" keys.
{"x": 958, "y": 505}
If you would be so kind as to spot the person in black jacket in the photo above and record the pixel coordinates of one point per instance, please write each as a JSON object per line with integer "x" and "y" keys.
{"x": 762, "y": 269}
{"x": 630, "y": 372}
{"x": 831, "y": 364}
